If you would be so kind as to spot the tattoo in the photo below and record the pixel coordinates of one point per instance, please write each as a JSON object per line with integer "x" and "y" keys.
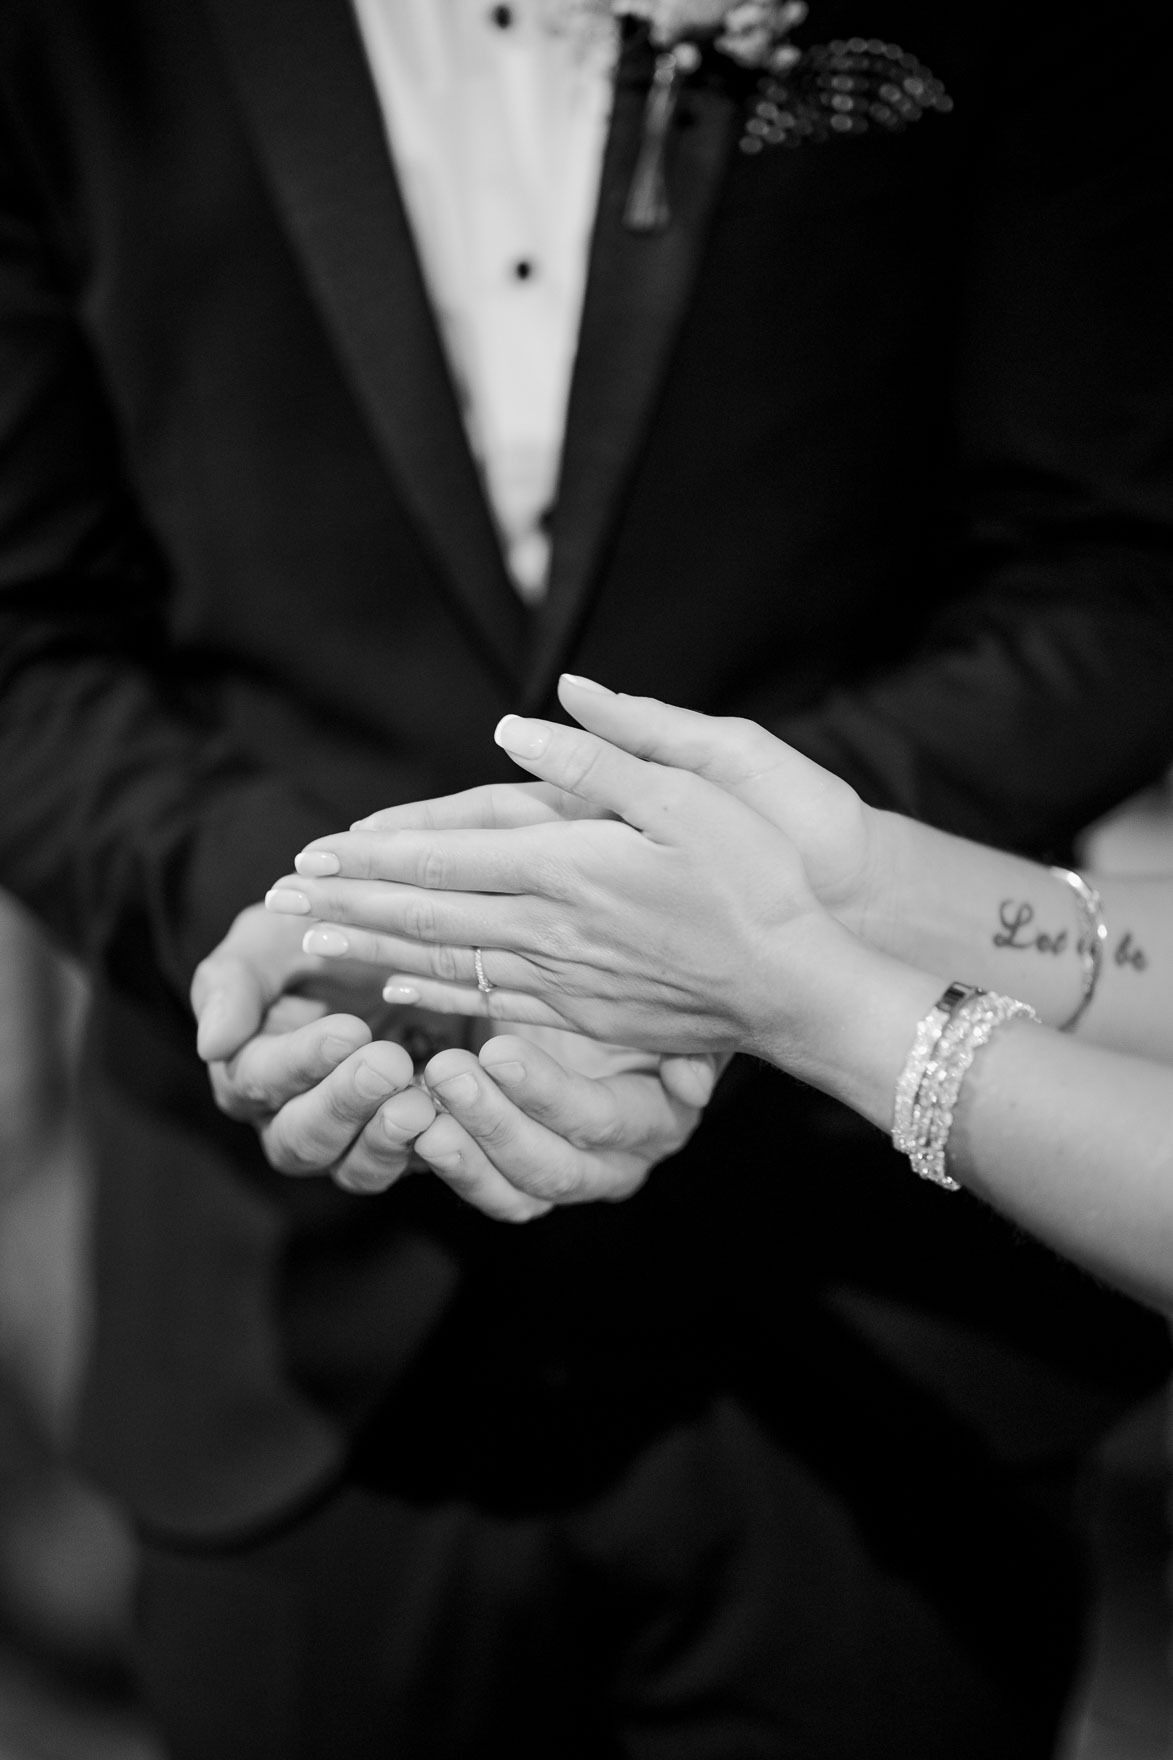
{"x": 1128, "y": 954}
{"x": 1016, "y": 931}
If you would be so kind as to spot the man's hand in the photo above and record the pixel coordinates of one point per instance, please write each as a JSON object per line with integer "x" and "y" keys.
{"x": 322, "y": 1093}
{"x": 519, "y": 1132}
{"x": 324, "y": 1096}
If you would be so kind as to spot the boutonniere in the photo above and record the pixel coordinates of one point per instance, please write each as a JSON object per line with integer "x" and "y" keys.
{"x": 792, "y": 94}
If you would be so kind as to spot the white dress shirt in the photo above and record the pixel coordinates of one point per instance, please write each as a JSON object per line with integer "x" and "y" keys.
{"x": 496, "y": 117}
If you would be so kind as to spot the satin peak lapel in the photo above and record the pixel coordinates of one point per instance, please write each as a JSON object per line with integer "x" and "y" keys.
{"x": 637, "y": 296}
{"x": 302, "y": 77}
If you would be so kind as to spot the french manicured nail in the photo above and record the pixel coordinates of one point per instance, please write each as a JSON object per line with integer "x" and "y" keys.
{"x": 331, "y": 942}
{"x": 317, "y": 862}
{"x": 525, "y": 739}
{"x": 284, "y": 898}
{"x": 586, "y": 684}
{"x": 459, "y": 1090}
{"x": 511, "y": 1074}
{"x": 396, "y": 992}
{"x": 372, "y": 1083}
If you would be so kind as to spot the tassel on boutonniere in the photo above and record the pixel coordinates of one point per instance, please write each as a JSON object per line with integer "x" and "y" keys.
{"x": 752, "y": 34}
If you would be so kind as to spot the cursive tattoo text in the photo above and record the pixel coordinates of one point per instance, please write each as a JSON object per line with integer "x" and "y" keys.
{"x": 1017, "y": 929}
{"x": 1129, "y": 954}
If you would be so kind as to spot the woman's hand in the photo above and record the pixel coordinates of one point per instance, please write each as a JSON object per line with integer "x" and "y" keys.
{"x": 835, "y": 834}
{"x": 647, "y": 929}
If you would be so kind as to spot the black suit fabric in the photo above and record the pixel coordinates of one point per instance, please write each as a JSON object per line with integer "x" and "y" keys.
{"x": 871, "y": 444}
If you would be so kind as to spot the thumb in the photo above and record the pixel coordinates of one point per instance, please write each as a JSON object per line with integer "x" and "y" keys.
{"x": 229, "y": 1000}
{"x": 691, "y": 1079}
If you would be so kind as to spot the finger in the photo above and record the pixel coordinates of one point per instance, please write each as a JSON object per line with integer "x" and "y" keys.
{"x": 461, "y": 1163}
{"x": 797, "y": 795}
{"x": 724, "y": 750}
{"x": 450, "y": 965}
{"x": 229, "y": 1001}
{"x": 621, "y": 1113}
{"x": 647, "y": 796}
{"x": 232, "y": 987}
{"x": 382, "y": 1150}
{"x": 313, "y": 1131}
{"x": 493, "y": 806}
{"x": 513, "y": 1138}
{"x": 690, "y": 1079}
{"x": 271, "y": 1068}
{"x": 469, "y": 919}
{"x": 500, "y": 1004}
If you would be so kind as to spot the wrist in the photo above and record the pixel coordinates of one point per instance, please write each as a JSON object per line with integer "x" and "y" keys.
{"x": 842, "y": 1014}
{"x": 873, "y": 912}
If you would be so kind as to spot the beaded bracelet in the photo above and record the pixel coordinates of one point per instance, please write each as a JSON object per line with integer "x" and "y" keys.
{"x": 1093, "y": 932}
{"x": 945, "y": 1045}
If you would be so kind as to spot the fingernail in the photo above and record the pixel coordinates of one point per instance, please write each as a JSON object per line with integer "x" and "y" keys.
{"x": 331, "y": 942}
{"x": 334, "y": 1050}
{"x": 372, "y": 1084}
{"x": 393, "y": 992}
{"x": 365, "y": 1184}
{"x": 447, "y": 1161}
{"x": 284, "y": 898}
{"x": 525, "y": 739}
{"x": 586, "y": 684}
{"x": 317, "y": 861}
{"x": 395, "y": 1133}
{"x": 361, "y": 824}
{"x": 511, "y": 1074}
{"x": 459, "y": 1090}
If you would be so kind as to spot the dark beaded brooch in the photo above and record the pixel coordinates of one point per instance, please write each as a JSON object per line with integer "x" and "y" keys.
{"x": 846, "y": 87}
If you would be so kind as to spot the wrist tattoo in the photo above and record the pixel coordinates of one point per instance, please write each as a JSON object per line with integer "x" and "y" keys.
{"x": 1129, "y": 954}
{"x": 1017, "y": 930}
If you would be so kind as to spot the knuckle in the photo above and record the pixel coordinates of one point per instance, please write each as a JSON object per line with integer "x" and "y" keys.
{"x": 580, "y": 758}
{"x": 250, "y": 1089}
{"x": 677, "y": 790}
{"x": 419, "y": 919}
{"x": 610, "y": 1134}
{"x": 433, "y": 870}
{"x": 560, "y": 1180}
{"x": 287, "y": 1153}
{"x": 445, "y": 964}
{"x": 227, "y": 1099}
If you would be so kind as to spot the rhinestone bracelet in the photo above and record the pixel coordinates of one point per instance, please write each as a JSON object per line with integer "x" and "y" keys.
{"x": 928, "y": 1033}
{"x": 945, "y": 1045}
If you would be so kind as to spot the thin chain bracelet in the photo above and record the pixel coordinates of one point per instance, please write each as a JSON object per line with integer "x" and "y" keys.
{"x": 1093, "y": 932}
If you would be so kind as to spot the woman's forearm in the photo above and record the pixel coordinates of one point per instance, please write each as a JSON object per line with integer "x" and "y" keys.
{"x": 1010, "y": 925}
{"x": 1072, "y": 1141}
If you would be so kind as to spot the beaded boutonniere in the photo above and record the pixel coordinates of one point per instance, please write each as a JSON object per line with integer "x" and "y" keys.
{"x": 792, "y": 94}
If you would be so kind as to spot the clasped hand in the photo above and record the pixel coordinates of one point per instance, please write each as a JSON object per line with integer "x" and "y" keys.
{"x": 290, "y": 1048}
{"x": 647, "y": 891}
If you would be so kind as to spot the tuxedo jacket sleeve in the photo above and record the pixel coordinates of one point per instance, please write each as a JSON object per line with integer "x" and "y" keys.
{"x": 1040, "y": 673}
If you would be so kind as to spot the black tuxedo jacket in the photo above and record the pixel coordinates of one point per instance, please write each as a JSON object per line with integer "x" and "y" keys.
{"x": 871, "y": 444}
